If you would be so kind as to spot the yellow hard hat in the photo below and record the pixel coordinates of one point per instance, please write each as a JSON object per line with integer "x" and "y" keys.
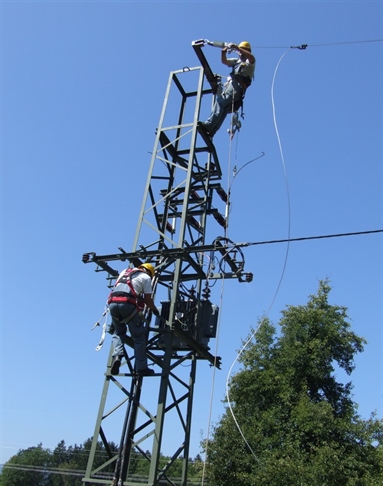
{"x": 149, "y": 267}
{"x": 245, "y": 45}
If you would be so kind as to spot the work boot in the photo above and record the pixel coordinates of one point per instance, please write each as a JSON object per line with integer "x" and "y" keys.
{"x": 205, "y": 129}
{"x": 145, "y": 372}
{"x": 116, "y": 363}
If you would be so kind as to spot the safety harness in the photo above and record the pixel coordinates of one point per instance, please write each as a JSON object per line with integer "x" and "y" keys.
{"x": 126, "y": 293}
{"x": 244, "y": 81}
{"x": 236, "y": 73}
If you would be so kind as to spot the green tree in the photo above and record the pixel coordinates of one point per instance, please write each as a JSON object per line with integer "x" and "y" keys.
{"x": 65, "y": 466}
{"x": 77, "y": 456}
{"x": 290, "y": 422}
{"x": 28, "y": 467}
{"x": 70, "y": 464}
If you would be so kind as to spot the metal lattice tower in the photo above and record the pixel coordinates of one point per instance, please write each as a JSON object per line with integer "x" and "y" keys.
{"x": 183, "y": 203}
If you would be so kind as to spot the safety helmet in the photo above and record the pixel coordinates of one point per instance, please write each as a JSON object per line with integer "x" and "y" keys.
{"x": 149, "y": 267}
{"x": 245, "y": 45}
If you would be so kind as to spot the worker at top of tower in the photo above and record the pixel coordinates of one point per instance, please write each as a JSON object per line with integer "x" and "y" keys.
{"x": 233, "y": 93}
{"x": 132, "y": 290}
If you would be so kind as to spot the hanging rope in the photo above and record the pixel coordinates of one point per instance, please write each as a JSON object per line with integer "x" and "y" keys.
{"x": 284, "y": 265}
{"x": 226, "y": 232}
{"x": 212, "y": 387}
{"x": 221, "y": 300}
{"x": 286, "y": 183}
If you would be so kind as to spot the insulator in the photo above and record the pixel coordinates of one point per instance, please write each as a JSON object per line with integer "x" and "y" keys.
{"x": 206, "y": 293}
{"x": 220, "y": 219}
{"x": 221, "y": 193}
{"x": 217, "y": 44}
{"x": 193, "y": 222}
{"x": 170, "y": 228}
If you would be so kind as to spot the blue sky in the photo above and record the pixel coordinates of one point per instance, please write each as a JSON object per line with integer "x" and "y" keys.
{"x": 82, "y": 86}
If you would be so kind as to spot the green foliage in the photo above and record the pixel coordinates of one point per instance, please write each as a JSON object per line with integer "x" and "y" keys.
{"x": 139, "y": 466}
{"x": 300, "y": 424}
{"x": 28, "y": 467}
{"x": 65, "y": 466}
{"x": 62, "y": 467}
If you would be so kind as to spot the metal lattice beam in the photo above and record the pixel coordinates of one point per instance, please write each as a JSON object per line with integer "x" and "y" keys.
{"x": 176, "y": 217}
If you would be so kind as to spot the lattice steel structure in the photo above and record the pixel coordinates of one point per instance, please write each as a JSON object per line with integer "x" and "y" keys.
{"x": 176, "y": 216}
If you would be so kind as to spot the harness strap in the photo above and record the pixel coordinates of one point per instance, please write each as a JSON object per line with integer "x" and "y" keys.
{"x": 127, "y": 280}
{"x": 129, "y": 318}
{"x": 104, "y": 331}
{"x": 121, "y": 298}
{"x": 243, "y": 81}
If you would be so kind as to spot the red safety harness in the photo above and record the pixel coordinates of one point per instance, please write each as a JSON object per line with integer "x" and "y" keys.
{"x": 130, "y": 297}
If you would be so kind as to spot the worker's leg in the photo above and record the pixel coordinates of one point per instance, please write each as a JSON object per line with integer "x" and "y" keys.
{"x": 222, "y": 106}
{"x": 216, "y": 117}
{"x": 138, "y": 332}
{"x": 118, "y": 313}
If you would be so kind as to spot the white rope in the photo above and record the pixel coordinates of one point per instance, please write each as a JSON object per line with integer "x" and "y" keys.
{"x": 278, "y": 287}
{"x": 104, "y": 327}
{"x": 283, "y": 270}
{"x": 220, "y": 306}
{"x": 212, "y": 389}
{"x": 227, "y": 211}
{"x": 286, "y": 182}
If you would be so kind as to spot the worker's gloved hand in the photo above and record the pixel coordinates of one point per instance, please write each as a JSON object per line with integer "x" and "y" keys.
{"x": 155, "y": 312}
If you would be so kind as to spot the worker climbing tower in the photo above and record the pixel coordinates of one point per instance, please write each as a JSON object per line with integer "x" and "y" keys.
{"x": 184, "y": 208}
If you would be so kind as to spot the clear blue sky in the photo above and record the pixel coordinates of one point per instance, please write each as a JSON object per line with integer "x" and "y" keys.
{"x": 82, "y": 86}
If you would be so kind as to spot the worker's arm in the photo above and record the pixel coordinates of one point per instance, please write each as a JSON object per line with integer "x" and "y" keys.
{"x": 224, "y": 58}
{"x": 148, "y": 299}
{"x": 247, "y": 54}
{"x": 243, "y": 52}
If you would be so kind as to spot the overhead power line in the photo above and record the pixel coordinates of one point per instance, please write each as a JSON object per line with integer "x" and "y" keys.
{"x": 343, "y": 43}
{"x": 303, "y": 238}
{"x": 322, "y": 45}
{"x": 47, "y": 470}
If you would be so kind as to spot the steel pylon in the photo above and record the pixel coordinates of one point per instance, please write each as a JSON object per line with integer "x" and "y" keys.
{"x": 184, "y": 206}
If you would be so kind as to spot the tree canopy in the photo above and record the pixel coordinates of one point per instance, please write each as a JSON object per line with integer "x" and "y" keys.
{"x": 65, "y": 466}
{"x": 288, "y": 420}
